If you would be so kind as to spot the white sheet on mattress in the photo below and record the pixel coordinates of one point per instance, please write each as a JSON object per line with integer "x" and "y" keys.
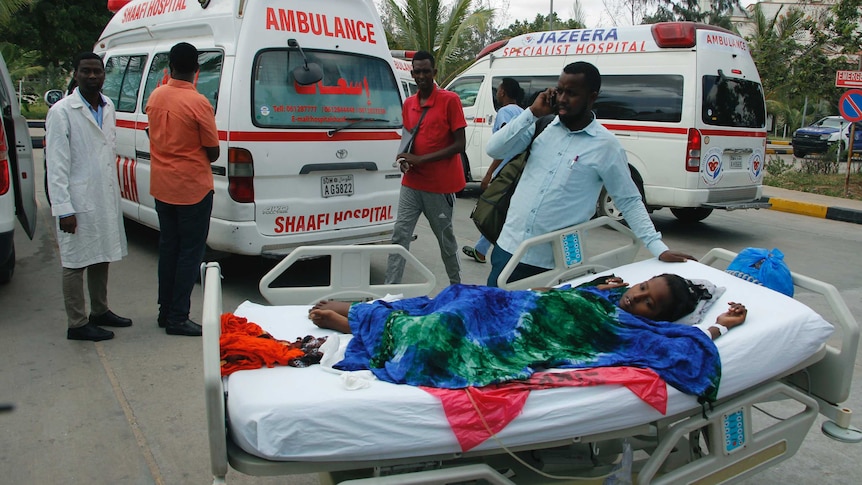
{"x": 307, "y": 414}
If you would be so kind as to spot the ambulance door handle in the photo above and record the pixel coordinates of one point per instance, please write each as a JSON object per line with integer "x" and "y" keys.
{"x": 490, "y": 120}
{"x": 470, "y": 118}
{"x": 337, "y": 167}
{"x": 142, "y": 155}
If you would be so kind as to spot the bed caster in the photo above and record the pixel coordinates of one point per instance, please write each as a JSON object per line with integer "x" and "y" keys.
{"x": 850, "y": 434}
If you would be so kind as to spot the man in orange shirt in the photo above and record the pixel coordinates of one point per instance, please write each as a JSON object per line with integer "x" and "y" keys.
{"x": 183, "y": 144}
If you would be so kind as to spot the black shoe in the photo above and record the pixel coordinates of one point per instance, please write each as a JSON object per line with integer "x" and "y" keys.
{"x": 89, "y": 332}
{"x": 188, "y": 328}
{"x": 163, "y": 321}
{"x": 110, "y": 319}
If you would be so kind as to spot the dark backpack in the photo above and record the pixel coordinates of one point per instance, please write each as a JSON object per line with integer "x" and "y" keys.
{"x": 493, "y": 205}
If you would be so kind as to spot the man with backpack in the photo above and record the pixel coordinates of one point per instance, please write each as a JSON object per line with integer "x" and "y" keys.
{"x": 567, "y": 166}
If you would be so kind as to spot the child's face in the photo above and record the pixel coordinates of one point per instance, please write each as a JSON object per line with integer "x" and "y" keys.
{"x": 647, "y": 299}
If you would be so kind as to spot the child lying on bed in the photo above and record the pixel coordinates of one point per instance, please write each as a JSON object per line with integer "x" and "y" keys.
{"x": 477, "y": 335}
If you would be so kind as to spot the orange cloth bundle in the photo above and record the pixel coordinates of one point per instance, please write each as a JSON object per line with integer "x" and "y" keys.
{"x": 244, "y": 345}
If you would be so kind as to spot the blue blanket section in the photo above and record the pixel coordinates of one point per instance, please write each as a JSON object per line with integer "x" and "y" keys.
{"x": 477, "y": 335}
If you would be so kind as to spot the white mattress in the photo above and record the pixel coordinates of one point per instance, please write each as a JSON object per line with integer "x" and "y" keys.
{"x": 308, "y": 414}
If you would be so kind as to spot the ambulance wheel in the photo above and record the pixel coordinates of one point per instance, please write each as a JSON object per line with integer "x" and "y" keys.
{"x": 606, "y": 207}
{"x": 691, "y": 214}
{"x": 7, "y": 269}
{"x": 799, "y": 153}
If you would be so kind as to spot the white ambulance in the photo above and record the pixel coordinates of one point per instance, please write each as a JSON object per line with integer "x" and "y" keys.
{"x": 308, "y": 108}
{"x": 684, "y": 99}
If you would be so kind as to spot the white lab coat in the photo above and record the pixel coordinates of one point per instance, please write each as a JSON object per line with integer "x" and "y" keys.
{"x": 82, "y": 180}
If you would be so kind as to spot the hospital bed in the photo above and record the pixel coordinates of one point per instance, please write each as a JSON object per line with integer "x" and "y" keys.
{"x": 284, "y": 420}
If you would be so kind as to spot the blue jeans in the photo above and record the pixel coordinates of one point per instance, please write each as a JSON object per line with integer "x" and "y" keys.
{"x": 499, "y": 260}
{"x": 482, "y": 246}
{"x": 183, "y": 231}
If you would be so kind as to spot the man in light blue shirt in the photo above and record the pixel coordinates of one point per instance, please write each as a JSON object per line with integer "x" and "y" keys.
{"x": 569, "y": 162}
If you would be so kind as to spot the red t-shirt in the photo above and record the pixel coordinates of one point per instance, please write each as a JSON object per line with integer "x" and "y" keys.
{"x": 444, "y": 116}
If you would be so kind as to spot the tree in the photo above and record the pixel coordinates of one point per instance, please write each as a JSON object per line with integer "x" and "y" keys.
{"x": 426, "y": 25}
{"x": 718, "y": 14}
{"x": 56, "y": 29}
{"x": 539, "y": 24}
{"x": 8, "y": 7}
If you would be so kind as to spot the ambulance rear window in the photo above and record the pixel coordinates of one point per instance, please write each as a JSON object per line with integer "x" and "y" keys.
{"x": 207, "y": 79}
{"x": 354, "y": 87}
{"x": 733, "y": 102}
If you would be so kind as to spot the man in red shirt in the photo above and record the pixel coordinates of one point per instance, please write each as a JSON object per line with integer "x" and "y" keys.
{"x": 183, "y": 144}
{"x": 432, "y": 169}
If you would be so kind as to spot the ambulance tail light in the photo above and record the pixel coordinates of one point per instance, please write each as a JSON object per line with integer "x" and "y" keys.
{"x": 5, "y": 175}
{"x": 692, "y": 151}
{"x": 240, "y": 175}
{"x": 674, "y": 34}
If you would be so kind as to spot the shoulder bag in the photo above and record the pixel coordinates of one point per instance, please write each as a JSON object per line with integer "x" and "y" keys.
{"x": 489, "y": 215}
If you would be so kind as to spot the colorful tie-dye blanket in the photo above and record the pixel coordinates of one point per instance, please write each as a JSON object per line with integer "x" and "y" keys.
{"x": 477, "y": 335}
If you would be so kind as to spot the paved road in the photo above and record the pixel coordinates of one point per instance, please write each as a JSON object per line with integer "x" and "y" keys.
{"x": 131, "y": 411}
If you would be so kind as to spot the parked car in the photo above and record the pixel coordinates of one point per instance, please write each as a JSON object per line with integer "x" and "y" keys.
{"x": 17, "y": 187}
{"x": 817, "y": 137}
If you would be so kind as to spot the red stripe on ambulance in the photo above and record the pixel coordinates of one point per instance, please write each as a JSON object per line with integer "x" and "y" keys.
{"x": 127, "y": 179}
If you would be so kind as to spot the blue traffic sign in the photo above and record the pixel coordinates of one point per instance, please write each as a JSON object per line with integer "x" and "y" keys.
{"x": 850, "y": 105}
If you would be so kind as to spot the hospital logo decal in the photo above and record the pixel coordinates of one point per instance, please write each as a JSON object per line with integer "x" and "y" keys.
{"x": 529, "y": 38}
{"x": 711, "y": 170}
{"x": 755, "y": 167}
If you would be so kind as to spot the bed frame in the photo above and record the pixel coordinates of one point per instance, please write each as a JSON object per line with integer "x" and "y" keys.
{"x": 673, "y": 450}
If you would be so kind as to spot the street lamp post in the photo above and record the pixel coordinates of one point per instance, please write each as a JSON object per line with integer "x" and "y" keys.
{"x": 551, "y": 17}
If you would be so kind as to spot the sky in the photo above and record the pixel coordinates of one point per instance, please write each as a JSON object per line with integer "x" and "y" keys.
{"x": 596, "y": 11}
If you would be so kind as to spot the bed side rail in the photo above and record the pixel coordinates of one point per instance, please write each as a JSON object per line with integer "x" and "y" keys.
{"x": 735, "y": 454}
{"x": 831, "y": 377}
{"x": 573, "y": 257}
{"x": 213, "y": 386}
{"x": 349, "y": 275}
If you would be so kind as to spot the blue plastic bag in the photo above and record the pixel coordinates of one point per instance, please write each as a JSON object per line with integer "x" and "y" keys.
{"x": 766, "y": 268}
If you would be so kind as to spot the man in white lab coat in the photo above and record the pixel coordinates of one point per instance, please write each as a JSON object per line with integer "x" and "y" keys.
{"x": 85, "y": 198}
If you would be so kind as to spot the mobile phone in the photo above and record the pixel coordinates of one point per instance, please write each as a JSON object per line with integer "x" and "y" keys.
{"x": 552, "y": 101}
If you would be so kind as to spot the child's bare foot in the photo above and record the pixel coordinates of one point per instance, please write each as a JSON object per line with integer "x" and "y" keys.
{"x": 326, "y": 318}
{"x": 339, "y": 307}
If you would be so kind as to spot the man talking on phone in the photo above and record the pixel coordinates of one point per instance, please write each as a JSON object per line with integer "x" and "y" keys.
{"x": 569, "y": 163}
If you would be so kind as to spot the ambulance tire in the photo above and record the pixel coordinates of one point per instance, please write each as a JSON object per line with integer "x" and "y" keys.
{"x": 7, "y": 268}
{"x": 691, "y": 214}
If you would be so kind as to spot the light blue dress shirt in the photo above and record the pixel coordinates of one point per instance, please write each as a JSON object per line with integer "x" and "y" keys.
{"x": 562, "y": 181}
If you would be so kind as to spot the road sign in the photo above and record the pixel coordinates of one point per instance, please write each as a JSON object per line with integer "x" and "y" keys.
{"x": 848, "y": 79}
{"x": 850, "y": 105}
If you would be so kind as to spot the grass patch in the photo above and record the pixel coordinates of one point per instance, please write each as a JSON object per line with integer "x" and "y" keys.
{"x": 824, "y": 184}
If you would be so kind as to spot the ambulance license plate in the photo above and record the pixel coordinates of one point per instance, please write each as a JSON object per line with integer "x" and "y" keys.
{"x": 336, "y": 185}
{"x": 736, "y": 162}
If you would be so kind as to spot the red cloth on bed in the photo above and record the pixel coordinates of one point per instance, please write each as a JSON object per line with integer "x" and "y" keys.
{"x": 245, "y": 345}
{"x": 497, "y": 405}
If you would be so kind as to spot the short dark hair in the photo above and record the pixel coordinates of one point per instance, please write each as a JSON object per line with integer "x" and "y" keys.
{"x": 590, "y": 72}
{"x": 512, "y": 89}
{"x": 184, "y": 58}
{"x": 86, "y": 55}
{"x": 424, "y": 55}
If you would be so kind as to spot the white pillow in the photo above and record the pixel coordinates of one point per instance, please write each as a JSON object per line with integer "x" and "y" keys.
{"x": 704, "y": 304}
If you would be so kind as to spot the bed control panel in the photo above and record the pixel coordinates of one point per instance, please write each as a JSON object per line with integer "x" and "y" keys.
{"x": 571, "y": 243}
{"x": 735, "y": 430}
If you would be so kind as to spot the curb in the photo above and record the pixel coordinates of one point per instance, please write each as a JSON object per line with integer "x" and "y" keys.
{"x": 815, "y": 210}
{"x": 779, "y": 151}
